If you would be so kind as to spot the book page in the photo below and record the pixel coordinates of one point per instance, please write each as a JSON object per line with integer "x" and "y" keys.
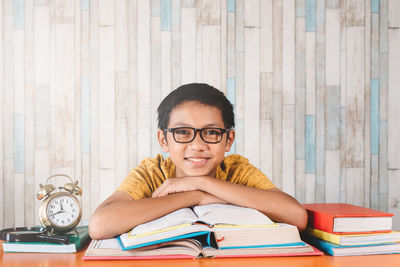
{"x": 259, "y": 251}
{"x": 171, "y": 220}
{"x": 111, "y": 248}
{"x": 221, "y": 214}
{"x": 111, "y": 243}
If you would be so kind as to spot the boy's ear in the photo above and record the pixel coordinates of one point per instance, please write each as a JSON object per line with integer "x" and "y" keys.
{"x": 162, "y": 139}
{"x": 231, "y": 139}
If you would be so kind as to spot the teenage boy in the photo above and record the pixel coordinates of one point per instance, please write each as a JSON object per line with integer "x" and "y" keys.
{"x": 196, "y": 127}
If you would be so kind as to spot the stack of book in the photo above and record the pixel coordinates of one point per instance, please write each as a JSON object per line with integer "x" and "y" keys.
{"x": 213, "y": 230}
{"x": 346, "y": 230}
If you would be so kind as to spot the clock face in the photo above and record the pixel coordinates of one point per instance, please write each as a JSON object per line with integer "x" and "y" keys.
{"x": 63, "y": 210}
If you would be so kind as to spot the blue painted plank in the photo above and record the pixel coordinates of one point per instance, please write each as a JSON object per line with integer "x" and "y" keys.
{"x": 310, "y": 143}
{"x": 375, "y": 116}
{"x": 231, "y": 5}
{"x": 310, "y": 16}
{"x": 231, "y": 90}
{"x": 374, "y": 6}
{"x": 85, "y": 5}
{"x": 19, "y": 14}
{"x": 19, "y": 143}
{"x": 166, "y": 15}
{"x": 85, "y": 109}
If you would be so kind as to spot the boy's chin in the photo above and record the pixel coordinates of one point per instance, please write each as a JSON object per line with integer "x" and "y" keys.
{"x": 194, "y": 173}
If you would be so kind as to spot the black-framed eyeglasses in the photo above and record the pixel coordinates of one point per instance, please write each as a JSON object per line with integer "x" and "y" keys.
{"x": 210, "y": 135}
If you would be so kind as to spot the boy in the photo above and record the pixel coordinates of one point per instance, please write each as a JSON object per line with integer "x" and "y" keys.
{"x": 196, "y": 127}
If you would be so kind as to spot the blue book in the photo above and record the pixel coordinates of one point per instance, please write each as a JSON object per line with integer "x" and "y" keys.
{"x": 204, "y": 237}
{"x": 354, "y": 250}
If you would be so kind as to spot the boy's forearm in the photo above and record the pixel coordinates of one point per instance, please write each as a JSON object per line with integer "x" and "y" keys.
{"x": 270, "y": 202}
{"x": 120, "y": 216}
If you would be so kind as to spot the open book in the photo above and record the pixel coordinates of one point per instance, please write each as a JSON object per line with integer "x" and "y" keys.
{"x": 216, "y": 226}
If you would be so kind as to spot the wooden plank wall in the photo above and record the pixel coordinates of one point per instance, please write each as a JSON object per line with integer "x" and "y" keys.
{"x": 315, "y": 85}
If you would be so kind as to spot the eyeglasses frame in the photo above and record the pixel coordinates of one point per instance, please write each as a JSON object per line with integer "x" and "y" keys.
{"x": 172, "y": 130}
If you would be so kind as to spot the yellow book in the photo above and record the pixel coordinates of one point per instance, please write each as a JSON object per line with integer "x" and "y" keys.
{"x": 355, "y": 239}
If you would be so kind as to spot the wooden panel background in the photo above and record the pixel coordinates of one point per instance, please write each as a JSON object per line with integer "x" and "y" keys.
{"x": 315, "y": 85}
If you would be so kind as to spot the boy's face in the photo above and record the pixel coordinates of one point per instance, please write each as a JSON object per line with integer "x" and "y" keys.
{"x": 196, "y": 158}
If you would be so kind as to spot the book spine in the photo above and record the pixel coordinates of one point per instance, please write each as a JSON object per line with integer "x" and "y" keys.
{"x": 321, "y": 221}
{"x": 320, "y": 244}
{"x": 336, "y": 239}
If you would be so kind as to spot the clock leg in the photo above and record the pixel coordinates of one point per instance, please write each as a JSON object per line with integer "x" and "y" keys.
{"x": 76, "y": 231}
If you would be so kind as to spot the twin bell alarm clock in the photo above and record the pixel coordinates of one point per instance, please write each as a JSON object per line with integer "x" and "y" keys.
{"x": 60, "y": 212}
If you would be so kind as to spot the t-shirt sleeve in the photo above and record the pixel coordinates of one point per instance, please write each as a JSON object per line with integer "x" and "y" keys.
{"x": 136, "y": 184}
{"x": 251, "y": 176}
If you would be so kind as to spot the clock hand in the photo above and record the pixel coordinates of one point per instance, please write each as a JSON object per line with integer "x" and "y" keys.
{"x": 61, "y": 211}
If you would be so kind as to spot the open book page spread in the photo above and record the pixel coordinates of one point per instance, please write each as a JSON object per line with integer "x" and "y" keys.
{"x": 181, "y": 217}
{"x": 221, "y": 214}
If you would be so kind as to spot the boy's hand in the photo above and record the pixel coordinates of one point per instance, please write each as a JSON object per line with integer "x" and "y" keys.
{"x": 176, "y": 185}
{"x": 207, "y": 198}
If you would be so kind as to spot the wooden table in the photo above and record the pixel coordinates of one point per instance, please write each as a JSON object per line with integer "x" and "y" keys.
{"x": 61, "y": 260}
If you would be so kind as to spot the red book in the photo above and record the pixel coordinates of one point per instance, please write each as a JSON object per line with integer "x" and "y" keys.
{"x": 341, "y": 218}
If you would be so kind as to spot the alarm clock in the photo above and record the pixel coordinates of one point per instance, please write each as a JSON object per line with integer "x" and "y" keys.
{"x": 60, "y": 212}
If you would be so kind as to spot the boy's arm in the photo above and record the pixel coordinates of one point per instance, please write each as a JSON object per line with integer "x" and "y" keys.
{"x": 274, "y": 203}
{"x": 119, "y": 213}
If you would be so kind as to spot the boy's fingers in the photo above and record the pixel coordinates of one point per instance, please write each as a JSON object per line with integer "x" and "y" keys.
{"x": 161, "y": 191}
{"x": 156, "y": 193}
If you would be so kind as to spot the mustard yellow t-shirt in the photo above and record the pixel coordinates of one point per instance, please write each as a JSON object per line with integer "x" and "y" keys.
{"x": 143, "y": 180}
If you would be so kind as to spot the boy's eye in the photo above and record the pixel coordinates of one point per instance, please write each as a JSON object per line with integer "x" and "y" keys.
{"x": 182, "y": 131}
{"x": 212, "y": 132}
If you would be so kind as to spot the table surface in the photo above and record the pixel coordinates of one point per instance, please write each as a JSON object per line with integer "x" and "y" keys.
{"x": 60, "y": 260}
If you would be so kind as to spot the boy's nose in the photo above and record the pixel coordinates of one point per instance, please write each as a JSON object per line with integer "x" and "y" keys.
{"x": 198, "y": 142}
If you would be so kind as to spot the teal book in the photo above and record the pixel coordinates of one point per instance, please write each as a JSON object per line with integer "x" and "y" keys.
{"x": 353, "y": 250}
{"x": 76, "y": 242}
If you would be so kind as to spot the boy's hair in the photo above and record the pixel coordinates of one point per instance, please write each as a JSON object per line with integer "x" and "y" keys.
{"x": 200, "y": 92}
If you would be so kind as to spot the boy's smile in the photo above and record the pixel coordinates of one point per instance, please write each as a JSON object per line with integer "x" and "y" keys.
{"x": 196, "y": 158}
